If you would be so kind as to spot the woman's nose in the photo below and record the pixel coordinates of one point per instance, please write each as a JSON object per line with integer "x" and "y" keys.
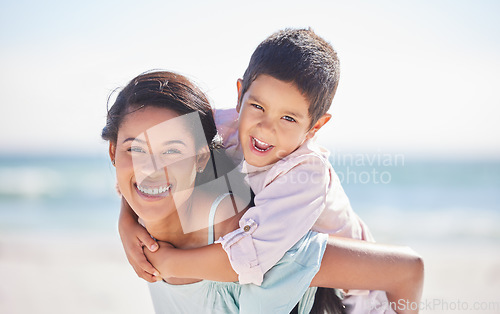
{"x": 149, "y": 171}
{"x": 145, "y": 166}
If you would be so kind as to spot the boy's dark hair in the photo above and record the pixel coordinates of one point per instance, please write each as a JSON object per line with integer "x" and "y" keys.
{"x": 302, "y": 57}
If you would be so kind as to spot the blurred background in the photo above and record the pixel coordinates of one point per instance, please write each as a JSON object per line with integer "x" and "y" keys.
{"x": 414, "y": 135}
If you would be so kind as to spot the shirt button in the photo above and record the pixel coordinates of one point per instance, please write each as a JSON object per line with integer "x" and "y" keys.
{"x": 246, "y": 228}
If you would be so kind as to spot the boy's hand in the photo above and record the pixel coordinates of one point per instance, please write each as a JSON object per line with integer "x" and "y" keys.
{"x": 134, "y": 237}
{"x": 162, "y": 259}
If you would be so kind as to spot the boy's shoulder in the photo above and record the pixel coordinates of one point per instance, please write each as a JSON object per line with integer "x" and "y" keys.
{"x": 309, "y": 151}
{"x": 309, "y": 158}
{"x": 308, "y": 165}
{"x": 226, "y": 121}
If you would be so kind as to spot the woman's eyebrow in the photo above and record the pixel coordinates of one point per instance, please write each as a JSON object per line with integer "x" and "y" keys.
{"x": 174, "y": 142}
{"x": 131, "y": 139}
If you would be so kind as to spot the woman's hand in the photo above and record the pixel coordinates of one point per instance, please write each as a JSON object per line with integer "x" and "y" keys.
{"x": 134, "y": 238}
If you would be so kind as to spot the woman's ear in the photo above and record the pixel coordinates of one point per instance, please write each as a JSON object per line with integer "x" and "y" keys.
{"x": 318, "y": 125}
{"x": 239, "y": 84}
{"x": 112, "y": 152}
{"x": 202, "y": 158}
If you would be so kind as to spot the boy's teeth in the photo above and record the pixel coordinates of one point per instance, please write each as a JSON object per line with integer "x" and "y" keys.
{"x": 154, "y": 191}
{"x": 260, "y": 145}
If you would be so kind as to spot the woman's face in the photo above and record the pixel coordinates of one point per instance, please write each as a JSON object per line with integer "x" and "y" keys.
{"x": 156, "y": 161}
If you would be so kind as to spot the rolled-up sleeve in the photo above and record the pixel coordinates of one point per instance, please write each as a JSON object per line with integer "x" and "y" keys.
{"x": 284, "y": 211}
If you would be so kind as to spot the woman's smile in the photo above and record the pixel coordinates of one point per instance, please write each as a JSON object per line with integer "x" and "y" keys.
{"x": 153, "y": 193}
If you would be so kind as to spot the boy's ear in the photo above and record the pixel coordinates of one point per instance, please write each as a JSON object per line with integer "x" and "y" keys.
{"x": 239, "y": 86}
{"x": 112, "y": 152}
{"x": 318, "y": 125}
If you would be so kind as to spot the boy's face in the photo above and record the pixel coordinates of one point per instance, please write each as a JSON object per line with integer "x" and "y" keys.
{"x": 273, "y": 120}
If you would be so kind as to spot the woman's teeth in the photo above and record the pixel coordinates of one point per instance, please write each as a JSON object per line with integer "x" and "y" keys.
{"x": 155, "y": 190}
{"x": 260, "y": 145}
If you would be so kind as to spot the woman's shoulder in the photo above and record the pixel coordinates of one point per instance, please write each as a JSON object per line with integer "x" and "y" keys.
{"x": 228, "y": 214}
{"x": 226, "y": 207}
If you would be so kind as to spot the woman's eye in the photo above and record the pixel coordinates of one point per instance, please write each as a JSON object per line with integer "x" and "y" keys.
{"x": 172, "y": 151}
{"x": 290, "y": 119}
{"x": 257, "y": 107}
{"x": 136, "y": 149}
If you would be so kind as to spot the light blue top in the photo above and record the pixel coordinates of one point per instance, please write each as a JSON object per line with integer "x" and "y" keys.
{"x": 283, "y": 286}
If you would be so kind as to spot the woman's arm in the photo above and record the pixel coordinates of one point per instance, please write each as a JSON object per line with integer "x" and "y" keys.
{"x": 134, "y": 237}
{"x": 346, "y": 264}
{"x": 354, "y": 264}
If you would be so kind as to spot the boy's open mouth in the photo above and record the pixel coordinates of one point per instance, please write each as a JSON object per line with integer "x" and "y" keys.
{"x": 260, "y": 145}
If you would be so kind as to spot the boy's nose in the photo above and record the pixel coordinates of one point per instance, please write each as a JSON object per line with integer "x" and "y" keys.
{"x": 267, "y": 125}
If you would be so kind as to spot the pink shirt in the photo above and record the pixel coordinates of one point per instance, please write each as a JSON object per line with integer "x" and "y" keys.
{"x": 298, "y": 193}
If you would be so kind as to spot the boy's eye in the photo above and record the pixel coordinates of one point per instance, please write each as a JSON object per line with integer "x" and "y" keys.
{"x": 136, "y": 149}
{"x": 288, "y": 118}
{"x": 257, "y": 107}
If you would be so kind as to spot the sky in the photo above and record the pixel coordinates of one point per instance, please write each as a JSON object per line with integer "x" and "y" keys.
{"x": 417, "y": 77}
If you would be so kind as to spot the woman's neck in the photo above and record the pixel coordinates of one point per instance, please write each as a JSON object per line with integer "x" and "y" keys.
{"x": 170, "y": 229}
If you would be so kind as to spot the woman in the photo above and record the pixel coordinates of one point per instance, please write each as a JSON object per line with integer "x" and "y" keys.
{"x": 158, "y": 131}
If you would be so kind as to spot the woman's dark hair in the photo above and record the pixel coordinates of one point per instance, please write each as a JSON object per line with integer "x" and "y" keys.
{"x": 326, "y": 300}
{"x": 161, "y": 89}
{"x": 168, "y": 90}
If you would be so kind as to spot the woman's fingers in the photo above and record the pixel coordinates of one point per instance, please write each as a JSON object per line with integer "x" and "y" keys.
{"x": 148, "y": 241}
{"x": 139, "y": 262}
{"x": 146, "y": 266}
{"x": 146, "y": 276}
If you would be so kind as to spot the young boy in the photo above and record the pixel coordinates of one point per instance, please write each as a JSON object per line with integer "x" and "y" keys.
{"x": 283, "y": 101}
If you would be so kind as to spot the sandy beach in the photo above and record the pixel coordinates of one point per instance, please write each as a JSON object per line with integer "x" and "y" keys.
{"x": 57, "y": 273}
{"x": 46, "y": 272}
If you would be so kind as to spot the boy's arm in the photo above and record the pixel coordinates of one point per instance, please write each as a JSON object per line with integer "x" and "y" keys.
{"x": 134, "y": 237}
{"x": 208, "y": 263}
{"x": 285, "y": 210}
{"x": 354, "y": 264}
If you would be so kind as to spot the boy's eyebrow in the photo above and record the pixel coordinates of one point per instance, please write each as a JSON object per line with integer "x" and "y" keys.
{"x": 295, "y": 114}
{"x": 253, "y": 98}
{"x": 144, "y": 142}
{"x": 292, "y": 113}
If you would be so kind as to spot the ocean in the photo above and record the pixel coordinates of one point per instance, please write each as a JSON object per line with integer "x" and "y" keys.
{"x": 59, "y": 243}
{"x": 403, "y": 200}
{"x": 57, "y": 193}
